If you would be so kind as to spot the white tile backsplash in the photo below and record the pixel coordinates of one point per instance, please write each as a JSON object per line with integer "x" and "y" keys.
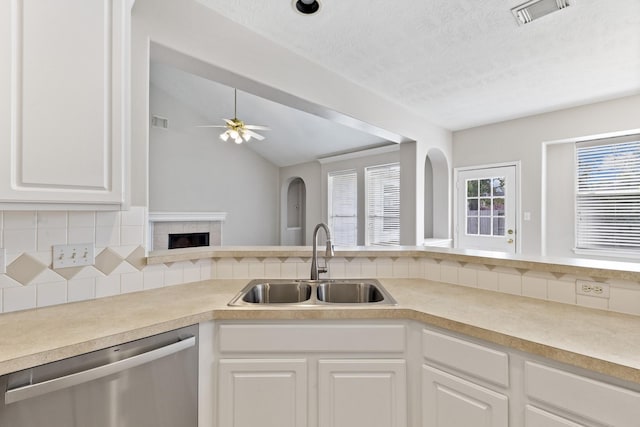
{"x": 131, "y": 282}
{"x": 13, "y": 220}
{"x": 561, "y": 291}
{"x": 20, "y": 298}
{"x": 81, "y": 289}
{"x": 534, "y": 287}
{"x": 107, "y": 286}
{"x": 51, "y": 293}
{"x": 33, "y": 234}
{"x": 510, "y": 283}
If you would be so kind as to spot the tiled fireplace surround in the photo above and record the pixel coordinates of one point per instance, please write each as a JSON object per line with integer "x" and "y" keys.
{"x": 120, "y": 266}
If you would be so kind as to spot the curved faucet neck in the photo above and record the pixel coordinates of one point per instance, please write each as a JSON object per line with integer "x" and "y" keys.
{"x": 329, "y": 250}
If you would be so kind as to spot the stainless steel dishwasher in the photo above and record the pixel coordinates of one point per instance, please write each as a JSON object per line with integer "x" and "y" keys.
{"x": 151, "y": 382}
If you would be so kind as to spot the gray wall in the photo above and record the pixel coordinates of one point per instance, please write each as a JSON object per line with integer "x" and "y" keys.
{"x": 522, "y": 139}
{"x": 190, "y": 28}
{"x": 192, "y": 170}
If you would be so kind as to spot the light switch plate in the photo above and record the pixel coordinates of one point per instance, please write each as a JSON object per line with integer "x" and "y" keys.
{"x": 3, "y": 260}
{"x": 73, "y": 255}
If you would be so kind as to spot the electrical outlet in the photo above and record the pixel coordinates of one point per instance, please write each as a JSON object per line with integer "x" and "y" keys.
{"x": 592, "y": 289}
{"x": 3, "y": 260}
{"x": 73, "y": 255}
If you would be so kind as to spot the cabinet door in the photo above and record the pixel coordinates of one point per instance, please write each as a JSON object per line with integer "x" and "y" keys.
{"x": 450, "y": 401}
{"x": 362, "y": 393}
{"x": 63, "y": 100}
{"x": 262, "y": 392}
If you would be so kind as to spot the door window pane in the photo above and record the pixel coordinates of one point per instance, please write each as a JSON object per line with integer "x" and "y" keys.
{"x": 486, "y": 206}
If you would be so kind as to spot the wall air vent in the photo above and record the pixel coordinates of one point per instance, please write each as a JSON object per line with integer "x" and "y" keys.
{"x": 535, "y": 9}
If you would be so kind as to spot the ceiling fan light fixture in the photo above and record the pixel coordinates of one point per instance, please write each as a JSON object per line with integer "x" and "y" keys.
{"x": 307, "y": 7}
{"x": 224, "y": 136}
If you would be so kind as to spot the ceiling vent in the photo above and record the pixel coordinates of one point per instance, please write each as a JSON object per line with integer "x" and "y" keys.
{"x": 535, "y": 9}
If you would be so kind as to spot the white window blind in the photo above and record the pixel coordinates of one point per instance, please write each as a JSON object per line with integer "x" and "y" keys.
{"x": 608, "y": 195}
{"x": 382, "y": 184}
{"x": 343, "y": 207}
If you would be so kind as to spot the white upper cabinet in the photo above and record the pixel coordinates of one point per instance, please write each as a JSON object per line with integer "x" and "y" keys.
{"x": 64, "y": 100}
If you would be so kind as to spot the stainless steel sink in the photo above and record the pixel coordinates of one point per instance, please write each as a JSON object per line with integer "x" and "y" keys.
{"x": 313, "y": 293}
{"x": 349, "y": 293}
{"x": 275, "y": 292}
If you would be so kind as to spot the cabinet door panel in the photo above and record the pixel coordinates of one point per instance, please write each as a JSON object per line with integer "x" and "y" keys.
{"x": 62, "y": 90}
{"x": 449, "y": 401}
{"x": 261, "y": 392}
{"x": 362, "y": 393}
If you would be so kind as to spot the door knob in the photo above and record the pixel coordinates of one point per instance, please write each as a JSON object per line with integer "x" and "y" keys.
{"x": 510, "y": 241}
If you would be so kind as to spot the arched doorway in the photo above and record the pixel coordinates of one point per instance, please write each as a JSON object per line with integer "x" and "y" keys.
{"x": 436, "y": 199}
{"x": 294, "y": 211}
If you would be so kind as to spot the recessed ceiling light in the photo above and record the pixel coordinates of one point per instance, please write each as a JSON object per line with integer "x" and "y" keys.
{"x": 307, "y": 7}
{"x": 535, "y": 9}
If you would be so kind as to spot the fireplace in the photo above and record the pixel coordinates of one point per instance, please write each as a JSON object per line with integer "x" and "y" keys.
{"x": 173, "y": 230}
{"x": 188, "y": 240}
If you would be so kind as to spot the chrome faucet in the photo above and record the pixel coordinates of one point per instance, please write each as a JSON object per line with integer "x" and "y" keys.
{"x": 328, "y": 254}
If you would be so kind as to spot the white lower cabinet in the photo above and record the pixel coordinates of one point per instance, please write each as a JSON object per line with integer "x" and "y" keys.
{"x": 311, "y": 374}
{"x": 450, "y": 401}
{"x": 394, "y": 374}
{"x": 262, "y": 392}
{"x": 362, "y": 393}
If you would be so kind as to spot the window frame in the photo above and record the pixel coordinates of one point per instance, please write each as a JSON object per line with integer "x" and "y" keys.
{"x": 595, "y": 195}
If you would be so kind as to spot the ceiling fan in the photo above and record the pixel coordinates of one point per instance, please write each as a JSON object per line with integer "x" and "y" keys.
{"x": 236, "y": 129}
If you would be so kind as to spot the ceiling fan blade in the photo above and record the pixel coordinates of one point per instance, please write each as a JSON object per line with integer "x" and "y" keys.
{"x": 256, "y": 127}
{"x": 211, "y": 126}
{"x": 254, "y": 135}
{"x": 230, "y": 122}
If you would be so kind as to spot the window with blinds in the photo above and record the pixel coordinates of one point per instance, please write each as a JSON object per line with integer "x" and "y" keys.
{"x": 343, "y": 207}
{"x": 608, "y": 195}
{"x": 382, "y": 186}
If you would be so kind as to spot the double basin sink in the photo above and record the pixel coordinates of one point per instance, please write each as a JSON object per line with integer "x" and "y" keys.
{"x": 313, "y": 293}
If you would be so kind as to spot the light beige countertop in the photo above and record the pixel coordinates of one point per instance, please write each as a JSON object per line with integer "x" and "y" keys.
{"x": 597, "y": 269}
{"x": 601, "y": 341}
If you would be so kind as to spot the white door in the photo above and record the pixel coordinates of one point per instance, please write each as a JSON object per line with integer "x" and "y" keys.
{"x": 362, "y": 393}
{"x": 449, "y": 401}
{"x": 262, "y": 392}
{"x": 487, "y": 209}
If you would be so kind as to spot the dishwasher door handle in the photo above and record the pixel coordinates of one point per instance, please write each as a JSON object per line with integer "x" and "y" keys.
{"x": 33, "y": 390}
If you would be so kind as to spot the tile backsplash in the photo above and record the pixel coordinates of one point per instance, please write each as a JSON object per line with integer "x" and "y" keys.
{"x": 120, "y": 266}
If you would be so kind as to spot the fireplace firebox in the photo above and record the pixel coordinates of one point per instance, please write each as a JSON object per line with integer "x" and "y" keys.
{"x": 188, "y": 240}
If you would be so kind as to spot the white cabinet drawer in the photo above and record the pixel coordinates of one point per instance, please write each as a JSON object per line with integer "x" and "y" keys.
{"x": 312, "y": 338}
{"x": 535, "y": 417}
{"x": 467, "y": 357}
{"x": 595, "y": 400}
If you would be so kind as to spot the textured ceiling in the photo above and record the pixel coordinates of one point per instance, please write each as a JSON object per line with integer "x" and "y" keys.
{"x": 462, "y": 63}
